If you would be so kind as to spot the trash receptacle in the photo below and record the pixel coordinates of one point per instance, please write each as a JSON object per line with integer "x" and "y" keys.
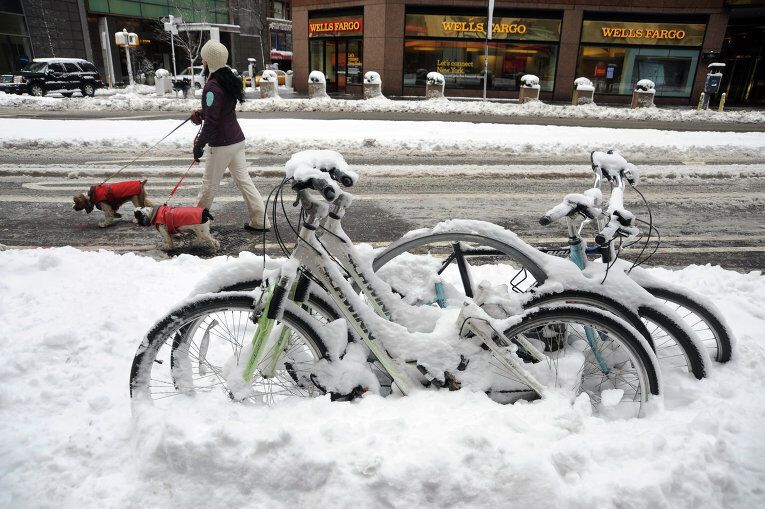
{"x": 163, "y": 83}
{"x": 642, "y": 96}
{"x": 434, "y": 85}
{"x": 317, "y": 85}
{"x": 529, "y": 88}
{"x": 288, "y": 79}
{"x": 584, "y": 91}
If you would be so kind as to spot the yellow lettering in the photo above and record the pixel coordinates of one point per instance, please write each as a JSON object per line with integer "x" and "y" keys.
{"x": 681, "y": 34}
{"x": 664, "y": 34}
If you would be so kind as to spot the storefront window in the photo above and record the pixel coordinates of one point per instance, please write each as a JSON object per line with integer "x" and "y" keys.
{"x": 461, "y": 63}
{"x": 336, "y": 49}
{"x": 15, "y": 48}
{"x": 455, "y": 47}
{"x": 616, "y": 70}
{"x": 626, "y": 52}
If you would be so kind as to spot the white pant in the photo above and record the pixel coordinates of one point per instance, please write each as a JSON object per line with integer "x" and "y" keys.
{"x": 232, "y": 157}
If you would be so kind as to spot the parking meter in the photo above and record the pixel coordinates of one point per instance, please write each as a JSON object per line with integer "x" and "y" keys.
{"x": 712, "y": 82}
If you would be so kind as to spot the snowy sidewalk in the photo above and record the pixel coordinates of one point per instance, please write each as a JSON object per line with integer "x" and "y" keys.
{"x": 466, "y": 142}
{"x": 67, "y": 438}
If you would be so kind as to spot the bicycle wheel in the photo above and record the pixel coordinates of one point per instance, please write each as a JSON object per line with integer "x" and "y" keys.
{"x": 704, "y": 319}
{"x": 673, "y": 347}
{"x": 413, "y": 265}
{"x": 189, "y": 350}
{"x": 588, "y": 351}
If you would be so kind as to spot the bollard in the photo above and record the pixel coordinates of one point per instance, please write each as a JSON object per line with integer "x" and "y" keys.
{"x": 529, "y": 89}
{"x": 642, "y": 96}
{"x": 317, "y": 85}
{"x": 722, "y": 103}
{"x": 434, "y": 85}
{"x": 163, "y": 83}
{"x": 584, "y": 91}
{"x": 701, "y": 101}
{"x": 372, "y": 85}
{"x": 268, "y": 85}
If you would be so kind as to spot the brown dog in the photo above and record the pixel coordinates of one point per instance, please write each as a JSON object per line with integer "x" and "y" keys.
{"x": 109, "y": 197}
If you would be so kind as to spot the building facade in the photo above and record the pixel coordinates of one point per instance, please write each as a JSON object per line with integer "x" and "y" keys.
{"x": 85, "y": 29}
{"x": 614, "y": 43}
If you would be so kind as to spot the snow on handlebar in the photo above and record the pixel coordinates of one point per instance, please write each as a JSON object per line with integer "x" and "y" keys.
{"x": 318, "y": 164}
{"x": 585, "y": 204}
{"x": 612, "y": 164}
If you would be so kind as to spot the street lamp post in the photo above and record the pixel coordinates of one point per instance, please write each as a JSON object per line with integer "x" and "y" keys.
{"x": 486, "y": 48}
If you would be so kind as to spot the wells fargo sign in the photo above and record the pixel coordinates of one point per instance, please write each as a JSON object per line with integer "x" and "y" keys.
{"x": 474, "y": 27}
{"x": 336, "y": 26}
{"x": 659, "y": 34}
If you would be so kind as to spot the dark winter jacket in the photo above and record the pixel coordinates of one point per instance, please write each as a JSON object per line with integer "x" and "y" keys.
{"x": 220, "y": 127}
{"x": 175, "y": 217}
{"x": 114, "y": 194}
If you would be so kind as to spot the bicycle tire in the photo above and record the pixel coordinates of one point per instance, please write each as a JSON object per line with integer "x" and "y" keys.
{"x": 621, "y": 344}
{"x": 694, "y": 355}
{"x": 174, "y": 332}
{"x": 720, "y": 345}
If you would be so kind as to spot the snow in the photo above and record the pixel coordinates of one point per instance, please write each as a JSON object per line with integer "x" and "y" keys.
{"x": 389, "y": 138}
{"x": 146, "y": 100}
{"x": 645, "y": 85}
{"x": 68, "y": 438}
{"x": 268, "y": 76}
{"x": 435, "y": 78}
{"x": 372, "y": 77}
{"x": 316, "y": 77}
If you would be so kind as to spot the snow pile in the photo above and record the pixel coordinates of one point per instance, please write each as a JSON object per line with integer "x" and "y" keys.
{"x": 584, "y": 84}
{"x": 161, "y": 73}
{"x": 530, "y": 81}
{"x": 118, "y": 101}
{"x": 311, "y": 163}
{"x": 435, "y": 78}
{"x": 645, "y": 86}
{"x": 372, "y": 77}
{"x": 389, "y": 138}
{"x": 68, "y": 438}
{"x": 268, "y": 76}
{"x": 317, "y": 77}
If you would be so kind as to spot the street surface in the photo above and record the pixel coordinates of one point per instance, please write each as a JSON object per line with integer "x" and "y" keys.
{"x": 719, "y": 219}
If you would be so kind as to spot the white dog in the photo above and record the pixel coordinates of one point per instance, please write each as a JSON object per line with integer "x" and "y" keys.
{"x": 172, "y": 220}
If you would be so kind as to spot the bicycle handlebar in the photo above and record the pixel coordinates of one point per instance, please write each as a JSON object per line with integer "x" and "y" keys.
{"x": 584, "y": 204}
{"x": 326, "y": 188}
{"x": 340, "y": 176}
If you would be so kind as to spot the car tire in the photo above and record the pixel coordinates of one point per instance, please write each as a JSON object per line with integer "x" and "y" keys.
{"x": 197, "y": 86}
{"x": 88, "y": 90}
{"x": 36, "y": 89}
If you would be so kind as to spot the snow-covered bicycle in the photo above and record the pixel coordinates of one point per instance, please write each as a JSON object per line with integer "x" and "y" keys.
{"x": 679, "y": 323}
{"x": 267, "y": 344}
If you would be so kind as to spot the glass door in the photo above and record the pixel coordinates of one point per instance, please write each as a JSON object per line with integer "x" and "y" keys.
{"x": 330, "y": 65}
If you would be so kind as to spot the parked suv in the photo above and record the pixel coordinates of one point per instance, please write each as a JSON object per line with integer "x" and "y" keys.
{"x": 64, "y": 75}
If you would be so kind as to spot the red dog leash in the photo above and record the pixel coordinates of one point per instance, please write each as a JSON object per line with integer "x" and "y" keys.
{"x": 179, "y": 182}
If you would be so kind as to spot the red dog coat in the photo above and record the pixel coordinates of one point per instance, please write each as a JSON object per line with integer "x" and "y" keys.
{"x": 173, "y": 217}
{"x": 114, "y": 194}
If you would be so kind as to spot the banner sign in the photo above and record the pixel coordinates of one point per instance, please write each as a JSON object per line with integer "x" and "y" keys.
{"x": 475, "y": 27}
{"x": 652, "y": 34}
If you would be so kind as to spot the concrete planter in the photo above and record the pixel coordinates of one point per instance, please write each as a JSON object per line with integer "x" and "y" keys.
{"x": 582, "y": 97}
{"x": 268, "y": 90}
{"x": 642, "y": 99}
{"x": 317, "y": 91}
{"x": 528, "y": 94}
{"x": 372, "y": 90}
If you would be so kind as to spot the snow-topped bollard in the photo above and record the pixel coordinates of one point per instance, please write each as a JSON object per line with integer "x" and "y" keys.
{"x": 529, "y": 88}
{"x": 268, "y": 85}
{"x": 317, "y": 85}
{"x": 583, "y": 91}
{"x": 434, "y": 85}
{"x": 372, "y": 85}
{"x": 163, "y": 83}
{"x": 642, "y": 96}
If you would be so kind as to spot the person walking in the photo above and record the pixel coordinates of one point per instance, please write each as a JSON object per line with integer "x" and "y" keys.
{"x": 224, "y": 137}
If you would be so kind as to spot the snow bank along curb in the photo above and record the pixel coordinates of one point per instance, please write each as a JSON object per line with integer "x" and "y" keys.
{"x": 149, "y": 102}
{"x": 68, "y": 439}
{"x": 467, "y": 142}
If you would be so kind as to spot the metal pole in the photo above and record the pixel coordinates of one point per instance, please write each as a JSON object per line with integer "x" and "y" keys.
{"x": 490, "y": 21}
{"x": 172, "y": 50}
{"x": 127, "y": 52}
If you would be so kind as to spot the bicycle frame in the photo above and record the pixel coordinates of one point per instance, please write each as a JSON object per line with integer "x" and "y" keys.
{"x": 314, "y": 258}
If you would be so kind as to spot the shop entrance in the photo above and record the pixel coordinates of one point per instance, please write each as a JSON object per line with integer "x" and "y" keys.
{"x": 339, "y": 59}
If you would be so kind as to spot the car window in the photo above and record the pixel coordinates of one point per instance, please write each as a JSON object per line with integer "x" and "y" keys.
{"x": 36, "y": 67}
{"x": 71, "y": 67}
{"x": 88, "y": 67}
{"x": 56, "y": 67}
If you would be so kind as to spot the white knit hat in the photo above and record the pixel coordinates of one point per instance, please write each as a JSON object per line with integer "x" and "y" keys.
{"x": 215, "y": 54}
